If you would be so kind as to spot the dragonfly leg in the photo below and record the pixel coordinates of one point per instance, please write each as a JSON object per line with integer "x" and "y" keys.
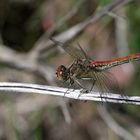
{"x": 71, "y": 83}
{"x": 79, "y": 84}
{"x": 86, "y": 90}
{"x": 94, "y": 81}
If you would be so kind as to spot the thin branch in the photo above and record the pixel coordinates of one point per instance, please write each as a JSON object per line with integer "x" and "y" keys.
{"x": 62, "y": 21}
{"x": 21, "y": 61}
{"x": 65, "y": 111}
{"x": 45, "y": 45}
{"x": 119, "y": 130}
{"x": 71, "y": 93}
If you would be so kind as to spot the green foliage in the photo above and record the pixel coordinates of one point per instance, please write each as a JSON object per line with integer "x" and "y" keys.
{"x": 134, "y": 22}
{"x": 105, "y": 2}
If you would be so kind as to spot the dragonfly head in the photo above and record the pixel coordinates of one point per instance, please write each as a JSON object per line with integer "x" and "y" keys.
{"x": 62, "y": 73}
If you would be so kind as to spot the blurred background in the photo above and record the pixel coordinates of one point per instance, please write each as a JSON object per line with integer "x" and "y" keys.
{"x": 28, "y": 55}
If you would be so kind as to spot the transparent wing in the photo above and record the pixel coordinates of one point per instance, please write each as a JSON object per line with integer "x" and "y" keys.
{"x": 72, "y": 51}
{"x": 102, "y": 82}
{"x": 107, "y": 83}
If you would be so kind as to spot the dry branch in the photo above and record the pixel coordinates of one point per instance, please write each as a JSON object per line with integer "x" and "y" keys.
{"x": 43, "y": 45}
{"x": 71, "y": 93}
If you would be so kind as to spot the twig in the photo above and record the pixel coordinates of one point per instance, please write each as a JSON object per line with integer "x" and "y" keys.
{"x": 114, "y": 125}
{"x": 65, "y": 111}
{"x": 44, "y": 46}
{"x": 23, "y": 62}
{"x": 121, "y": 33}
{"x": 62, "y": 21}
{"x": 71, "y": 93}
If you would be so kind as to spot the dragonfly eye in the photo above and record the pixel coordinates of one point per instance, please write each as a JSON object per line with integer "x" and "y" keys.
{"x": 62, "y": 73}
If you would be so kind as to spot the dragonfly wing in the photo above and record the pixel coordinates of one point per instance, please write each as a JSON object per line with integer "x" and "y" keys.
{"x": 73, "y": 51}
{"x": 106, "y": 83}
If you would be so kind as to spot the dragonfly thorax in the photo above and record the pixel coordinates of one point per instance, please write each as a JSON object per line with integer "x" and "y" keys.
{"x": 79, "y": 67}
{"x": 62, "y": 73}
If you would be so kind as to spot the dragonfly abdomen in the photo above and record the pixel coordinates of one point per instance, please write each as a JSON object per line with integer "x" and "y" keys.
{"x": 103, "y": 65}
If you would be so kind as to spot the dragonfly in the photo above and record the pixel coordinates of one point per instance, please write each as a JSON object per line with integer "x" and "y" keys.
{"x": 84, "y": 68}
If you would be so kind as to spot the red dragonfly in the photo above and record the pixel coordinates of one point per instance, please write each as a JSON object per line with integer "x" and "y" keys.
{"x": 85, "y": 68}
